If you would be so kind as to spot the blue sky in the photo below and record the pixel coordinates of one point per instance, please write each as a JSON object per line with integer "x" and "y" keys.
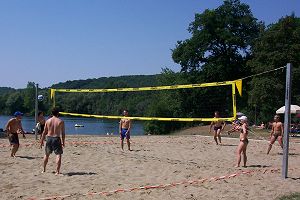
{"x": 53, "y": 41}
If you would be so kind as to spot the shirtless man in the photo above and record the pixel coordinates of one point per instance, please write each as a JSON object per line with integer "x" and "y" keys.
{"x": 124, "y": 129}
{"x": 13, "y": 128}
{"x": 218, "y": 125}
{"x": 55, "y": 131}
{"x": 277, "y": 132}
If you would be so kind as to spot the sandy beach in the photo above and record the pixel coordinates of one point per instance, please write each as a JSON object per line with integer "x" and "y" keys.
{"x": 159, "y": 167}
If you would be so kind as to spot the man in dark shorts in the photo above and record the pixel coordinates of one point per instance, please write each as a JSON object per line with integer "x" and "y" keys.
{"x": 218, "y": 125}
{"x": 13, "y": 128}
{"x": 276, "y": 133}
{"x": 55, "y": 131}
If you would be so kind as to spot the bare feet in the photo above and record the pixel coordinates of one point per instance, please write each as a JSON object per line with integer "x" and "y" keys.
{"x": 58, "y": 174}
{"x": 236, "y": 166}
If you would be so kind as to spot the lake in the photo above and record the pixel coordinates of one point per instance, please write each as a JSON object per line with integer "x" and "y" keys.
{"x": 92, "y": 126}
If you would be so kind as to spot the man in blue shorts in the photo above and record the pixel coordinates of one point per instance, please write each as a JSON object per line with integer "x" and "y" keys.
{"x": 124, "y": 130}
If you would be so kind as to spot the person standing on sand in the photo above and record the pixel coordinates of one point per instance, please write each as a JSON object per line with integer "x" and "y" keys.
{"x": 277, "y": 132}
{"x": 218, "y": 125}
{"x": 124, "y": 130}
{"x": 13, "y": 128}
{"x": 41, "y": 122}
{"x": 55, "y": 131}
{"x": 242, "y": 147}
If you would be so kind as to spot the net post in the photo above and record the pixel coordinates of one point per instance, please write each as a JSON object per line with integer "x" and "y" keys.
{"x": 36, "y": 107}
{"x": 233, "y": 100}
{"x": 54, "y": 98}
{"x": 287, "y": 121}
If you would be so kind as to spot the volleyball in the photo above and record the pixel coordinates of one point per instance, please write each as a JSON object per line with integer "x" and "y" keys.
{"x": 40, "y": 97}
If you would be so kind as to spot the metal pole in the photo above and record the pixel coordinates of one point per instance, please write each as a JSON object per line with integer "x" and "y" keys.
{"x": 36, "y": 110}
{"x": 255, "y": 114}
{"x": 287, "y": 120}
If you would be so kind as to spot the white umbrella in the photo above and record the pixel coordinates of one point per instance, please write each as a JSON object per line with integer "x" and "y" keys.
{"x": 240, "y": 114}
{"x": 294, "y": 109}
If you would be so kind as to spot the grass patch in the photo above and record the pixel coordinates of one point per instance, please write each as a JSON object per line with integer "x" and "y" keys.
{"x": 294, "y": 196}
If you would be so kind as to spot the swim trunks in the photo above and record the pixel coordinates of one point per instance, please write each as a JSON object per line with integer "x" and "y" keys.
{"x": 53, "y": 144}
{"x": 13, "y": 138}
{"x": 276, "y": 135}
{"x": 123, "y": 134}
{"x": 245, "y": 140}
{"x": 217, "y": 128}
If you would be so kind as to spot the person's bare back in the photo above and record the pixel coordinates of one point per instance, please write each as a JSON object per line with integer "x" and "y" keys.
{"x": 54, "y": 127}
{"x": 55, "y": 142}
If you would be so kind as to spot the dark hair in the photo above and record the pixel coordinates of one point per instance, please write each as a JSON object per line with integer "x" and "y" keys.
{"x": 40, "y": 112}
{"x": 55, "y": 111}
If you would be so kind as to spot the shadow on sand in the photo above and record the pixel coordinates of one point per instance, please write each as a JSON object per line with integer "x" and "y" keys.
{"x": 229, "y": 145}
{"x": 29, "y": 157}
{"x": 80, "y": 173}
{"x": 259, "y": 166}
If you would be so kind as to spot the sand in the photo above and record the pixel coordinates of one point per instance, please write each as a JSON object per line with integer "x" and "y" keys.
{"x": 96, "y": 164}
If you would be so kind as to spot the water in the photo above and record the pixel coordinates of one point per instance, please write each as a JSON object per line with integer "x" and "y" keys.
{"x": 92, "y": 126}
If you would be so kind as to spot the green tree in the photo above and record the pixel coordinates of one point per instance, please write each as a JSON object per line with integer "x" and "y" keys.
{"x": 220, "y": 44}
{"x": 29, "y": 98}
{"x": 278, "y": 45}
{"x": 14, "y": 102}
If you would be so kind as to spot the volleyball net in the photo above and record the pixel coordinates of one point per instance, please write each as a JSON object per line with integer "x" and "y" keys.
{"x": 211, "y": 97}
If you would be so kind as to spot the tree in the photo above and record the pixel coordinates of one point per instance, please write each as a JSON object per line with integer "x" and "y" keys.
{"x": 14, "y": 102}
{"x": 278, "y": 45}
{"x": 220, "y": 44}
{"x": 29, "y": 98}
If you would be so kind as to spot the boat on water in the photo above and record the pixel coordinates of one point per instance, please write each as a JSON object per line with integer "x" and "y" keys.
{"x": 78, "y": 125}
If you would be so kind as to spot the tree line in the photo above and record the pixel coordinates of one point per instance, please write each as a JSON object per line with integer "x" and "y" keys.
{"x": 226, "y": 43}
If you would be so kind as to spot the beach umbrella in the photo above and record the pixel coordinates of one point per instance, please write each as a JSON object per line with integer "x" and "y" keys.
{"x": 294, "y": 109}
{"x": 240, "y": 114}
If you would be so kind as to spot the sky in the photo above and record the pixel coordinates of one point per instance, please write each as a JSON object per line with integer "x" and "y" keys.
{"x": 53, "y": 41}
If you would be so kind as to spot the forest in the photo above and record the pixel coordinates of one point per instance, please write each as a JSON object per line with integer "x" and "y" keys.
{"x": 226, "y": 43}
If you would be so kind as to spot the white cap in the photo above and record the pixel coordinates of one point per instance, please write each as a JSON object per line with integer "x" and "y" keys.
{"x": 243, "y": 118}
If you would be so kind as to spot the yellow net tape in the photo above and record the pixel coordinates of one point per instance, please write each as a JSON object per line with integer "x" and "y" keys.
{"x": 172, "y": 87}
{"x": 149, "y": 118}
{"x": 235, "y": 84}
